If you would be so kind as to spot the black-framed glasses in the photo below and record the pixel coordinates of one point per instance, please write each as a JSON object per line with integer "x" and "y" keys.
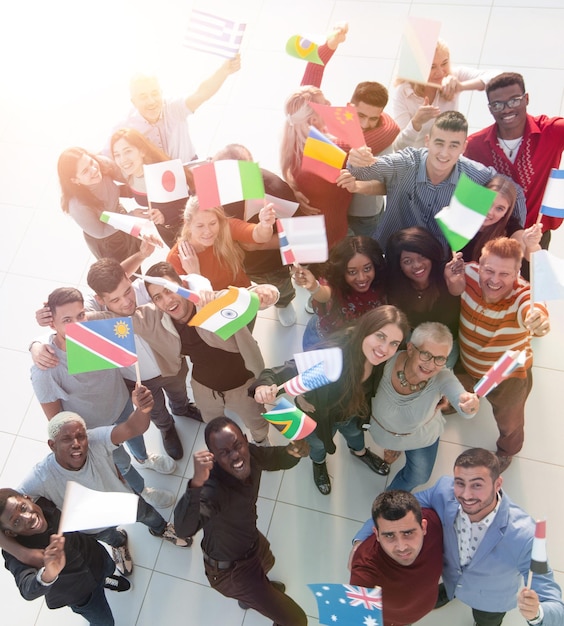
{"x": 427, "y": 356}
{"x": 499, "y": 105}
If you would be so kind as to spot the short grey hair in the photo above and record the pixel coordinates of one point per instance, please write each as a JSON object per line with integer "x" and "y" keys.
{"x": 62, "y": 418}
{"x": 432, "y": 331}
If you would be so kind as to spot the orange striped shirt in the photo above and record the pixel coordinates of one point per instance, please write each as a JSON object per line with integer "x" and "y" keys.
{"x": 488, "y": 330}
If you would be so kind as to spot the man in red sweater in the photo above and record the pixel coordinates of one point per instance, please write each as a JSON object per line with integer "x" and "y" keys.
{"x": 518, "y": 145}
{"x": 404, "y": 556}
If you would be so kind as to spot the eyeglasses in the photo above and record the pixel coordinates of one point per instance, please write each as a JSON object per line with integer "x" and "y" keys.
{"x": 427, "y": 356}
{"x": 499, "y": 105}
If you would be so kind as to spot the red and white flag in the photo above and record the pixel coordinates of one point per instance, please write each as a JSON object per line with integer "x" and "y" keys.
{"x": 499, "y": 371}
{"x": 165, "y": 181}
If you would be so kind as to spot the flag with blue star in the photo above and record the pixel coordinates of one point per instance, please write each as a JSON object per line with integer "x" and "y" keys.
{"x": 348, "y": 605}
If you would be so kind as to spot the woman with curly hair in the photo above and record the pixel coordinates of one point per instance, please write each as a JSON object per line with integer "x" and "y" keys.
{"x": 353, "y": 283}
{"x": 344, "y": 404}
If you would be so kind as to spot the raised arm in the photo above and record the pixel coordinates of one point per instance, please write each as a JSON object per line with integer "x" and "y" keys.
{"x": 454, "y": 275}
{"x": 138, "y": 422}
{"x": 212, "y": 84}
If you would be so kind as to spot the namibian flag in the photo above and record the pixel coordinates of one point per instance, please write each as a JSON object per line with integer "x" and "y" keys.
{"x": 227, "y": 314}
{"x": 286, "y": 251}
{"x": 553, "y": 199}
{"x": 222, "y": 182}
{"x": 539, "y": 560}
{"x": 100, "y": 345}
{"x": 322, "y": 156}
{"x": 499, "y": 371}
{"x": 289, "y": 420}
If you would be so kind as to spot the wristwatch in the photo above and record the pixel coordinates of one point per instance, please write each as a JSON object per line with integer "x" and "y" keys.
{"x": 42, "y": 582}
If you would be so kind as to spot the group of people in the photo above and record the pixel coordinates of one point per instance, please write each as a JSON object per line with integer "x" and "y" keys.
{"x": 417, "y": 325}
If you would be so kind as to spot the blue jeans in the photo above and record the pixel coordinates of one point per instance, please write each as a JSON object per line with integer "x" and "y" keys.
{"x": 418, "y": 466}
{"x": 146, "y": 514}
{"x": 354, "y": 436}
{"x": 137, "y": 447}
{"x": 312, "y": 336}
{"x": 96, "y": 610}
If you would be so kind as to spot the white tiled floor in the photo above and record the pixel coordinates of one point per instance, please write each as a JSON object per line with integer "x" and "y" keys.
{"x": 65, "y": 72}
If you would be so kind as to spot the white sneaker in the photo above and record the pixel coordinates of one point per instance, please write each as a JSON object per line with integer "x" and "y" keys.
{"x": 287, "y": 315}
{"x": 160, "y": 463}
{"x": 169, "y": 534}
{"x": 159, "y": 498}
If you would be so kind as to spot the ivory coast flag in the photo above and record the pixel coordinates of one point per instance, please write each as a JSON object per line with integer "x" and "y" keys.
{"x": 289, "y": 420}
{"x": 462, "y": 219}
{"x": 227, "y": 314}
{"x": 100, "y": 345}
{"x": 222, "y": 182}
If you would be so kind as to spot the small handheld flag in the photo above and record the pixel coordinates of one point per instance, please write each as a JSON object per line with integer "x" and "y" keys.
{"x": 553, "y": 199}
{"x": 311, "y": 379}
{"x": 165, "y": 181}
{"x": 222, "y": 182}
{"x": 306, "y": 238}
{"x": 418, "y": 46}
{"x": 322, "y": 157}
{"x": 171, "y": 286}
{"x": 539, "y": 560}
{"x": 285, "y": 249}
{"x": 290, "y": 420}
{"x": 499, "y": 371}
{"x": 341, "y": 122}
{"x": 134, "y": 226}
{"x": 468, "y": 208}
{"x": 547, "y": 282}
{"x": 100, "y": 345}
{"x": 347, "y": 604}
{"x": 301, "y": 48}
{"x": 213, "y": 34}
{"x": 227, "y": 314}
{"x": 316, "y": 369}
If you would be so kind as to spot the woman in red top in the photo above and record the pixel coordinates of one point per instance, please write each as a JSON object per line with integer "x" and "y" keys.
{"x": 208, "y": 244}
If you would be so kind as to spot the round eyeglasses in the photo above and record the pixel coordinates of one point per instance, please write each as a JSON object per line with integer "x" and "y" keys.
{"x": 427, "y": 356}
{"x": 499, "y": 105}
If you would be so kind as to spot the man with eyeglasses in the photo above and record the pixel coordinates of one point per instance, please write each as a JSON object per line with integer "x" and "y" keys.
{"x": 519, "y": 145}
{"x": 496, "y": 315}
{"x": 406, "y": 412}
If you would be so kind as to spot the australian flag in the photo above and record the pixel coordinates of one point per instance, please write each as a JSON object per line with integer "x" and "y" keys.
{"x": 348, "y": 605}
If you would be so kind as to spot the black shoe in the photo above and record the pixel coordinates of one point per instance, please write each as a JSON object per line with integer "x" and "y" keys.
{"x": 117, "y": 583}
{"x": 191, "y": 411}
{"x": 321, "y": 478}
{"x": 374, "y": 462}
{"x": 442, "y": 597}
{"x": 172, "y": 443}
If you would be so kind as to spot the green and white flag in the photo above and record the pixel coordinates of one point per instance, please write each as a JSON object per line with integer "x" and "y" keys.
{"x": 462, "y": 219}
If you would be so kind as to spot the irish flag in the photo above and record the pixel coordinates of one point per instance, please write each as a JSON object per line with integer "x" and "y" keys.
{"x": 100, "y": 345}
{"x": 135, "y": 226}
{"x": 289, "y": 420}
{"x": 227, "y": 314}
{"x": 468, "y": 208}
{"x": 227, "y": 181}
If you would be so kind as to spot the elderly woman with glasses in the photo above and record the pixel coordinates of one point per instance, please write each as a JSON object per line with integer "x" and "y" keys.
{"x": 406, "y": 412}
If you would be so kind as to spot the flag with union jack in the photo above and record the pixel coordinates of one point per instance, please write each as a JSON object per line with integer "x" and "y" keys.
{"x": 100, "y": 345}
{"x": 348, "y": 605}
{"x": 214, "y": 34}
{"x": 499, "y": 371}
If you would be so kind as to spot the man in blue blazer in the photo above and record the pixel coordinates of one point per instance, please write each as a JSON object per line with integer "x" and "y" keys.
{"x": 487, "y": 545}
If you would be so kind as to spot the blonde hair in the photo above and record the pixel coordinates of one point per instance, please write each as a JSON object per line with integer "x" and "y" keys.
{"x": 225, "y": 249}
{"x": 299, "y": 116}
{"x": 419, "y": 89}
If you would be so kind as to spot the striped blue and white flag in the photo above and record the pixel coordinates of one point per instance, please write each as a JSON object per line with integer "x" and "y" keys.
{"x": 214, "y": 34}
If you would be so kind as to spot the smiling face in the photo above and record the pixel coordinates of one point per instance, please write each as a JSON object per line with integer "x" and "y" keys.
{"x": 360, "y": 273}
{"x": 510, "y": 122}
{"x": 445, "y": 146}
{"x": 22, "y": 516}
{"x": 476, "y": 491}
{"x": 66, "y": 314}
{"x": 401, "y": 539}
{"x": 230, "y": 449}
{"x": 382, "y": 344}
{"x": 128, "y": 158}
{"x": 87, "y": 171}
{"x": 170, "y": 302}
{"x": 416, "y": 267}
{"x": 147, "y": 98}
{"x": 440, "y": 66}
{"x": 497, "y": 277}
{"x": 417, "y": 368}
{"x": 497, "y": 212}
{"x": 121, "y": 301}
{"x": 70, "y": 446}
{"x": 204, "y": 229}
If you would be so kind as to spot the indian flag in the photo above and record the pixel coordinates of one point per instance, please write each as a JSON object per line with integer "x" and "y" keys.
{"x": 100, "y": 345}
{"x": 468, "y": 208}
{"x": 227, "y": 314}
{"x": 289, "y": 420}
{"x": 227, "y": 181}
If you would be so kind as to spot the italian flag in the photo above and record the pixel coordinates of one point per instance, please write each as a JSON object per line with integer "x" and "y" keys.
{"x": 462, "y": 219}
{"x": 223, "y": 182}
{"x": 227, "y": 314}
{"x": 289, "y": 420}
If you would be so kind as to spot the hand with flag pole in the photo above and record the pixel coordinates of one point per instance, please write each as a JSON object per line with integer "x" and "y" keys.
{"x": 528, "y": 600}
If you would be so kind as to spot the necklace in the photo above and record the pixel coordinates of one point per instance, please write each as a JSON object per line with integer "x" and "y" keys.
{"x": 404, "y": 382}
{"x": 511, "y": 146}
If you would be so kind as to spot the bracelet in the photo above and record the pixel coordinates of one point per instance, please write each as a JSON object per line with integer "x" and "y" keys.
{"x": 538, "y": 619}
{"x": 312, "y": 293}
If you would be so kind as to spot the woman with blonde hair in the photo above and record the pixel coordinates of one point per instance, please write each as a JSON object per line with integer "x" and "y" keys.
{"x": 208, "y": 244}
{"x": 414, "y": 106}
{"x": 318, "y": 194}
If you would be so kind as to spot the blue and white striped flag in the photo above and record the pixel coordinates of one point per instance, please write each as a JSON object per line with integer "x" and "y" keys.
{"x": 214, "y": 34}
